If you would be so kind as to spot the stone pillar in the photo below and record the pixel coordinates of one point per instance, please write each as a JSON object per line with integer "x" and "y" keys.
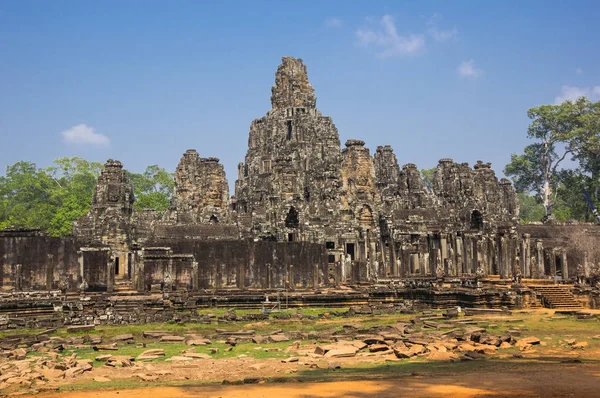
{"x": 405, "y": 262}
{"x": 110, "y": 273}
{"x": 81, "y": 276}
{"x": 195, "y": 286}
{"x": 459, "y": 256}
{"x": 586, "y": 265}
{"x": 424, "y": 263}
{"x": 564, "y": 265}
{"x": 539, "y": 248}
{"x": 444, "y": 248}
{"x": 468, "y": 255}
{"x": 394, "y": 265}
{"x": 526, "y": 255}
{"x": 503, "y": 258}
{"x": 373, "y": 271}
{"x": 139, "y": 271}
{"x": 552, "y": 254}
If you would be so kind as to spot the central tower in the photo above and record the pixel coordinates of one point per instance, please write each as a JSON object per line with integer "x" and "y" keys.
{"x": 288, "y": 184}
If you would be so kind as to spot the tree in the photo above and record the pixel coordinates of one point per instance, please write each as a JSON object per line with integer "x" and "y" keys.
{"x": 153, "y": 188}
{"x": 530, "y": 209}
{"x": 75, "y": 181}
{"x": 26, "y": 197}
{"x": 559, "y": 131}
{"x": 427, "y": 177}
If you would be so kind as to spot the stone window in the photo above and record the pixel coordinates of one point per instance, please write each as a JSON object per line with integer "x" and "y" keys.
{"x": 289, "y": 129}
{"x": 330, "y": 245}
{"x": 331, "y": 258}
{"x": 266, "y": 166}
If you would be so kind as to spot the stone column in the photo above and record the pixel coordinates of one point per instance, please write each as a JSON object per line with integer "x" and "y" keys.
{"x": 586, "y": 265}
{"x": 81, "y": 276}
{"x": 459, "y": 256}
{"x": 564, "y": 265}
{"x": 526, "y": 255}
{"x": 469, "y": 255}
{"x": 139, "y": 271}
{"x": 539, "y": 248}
{"x": 195, "y": 286}
{"x": 405, "y": 262}
{"x": 503, "y": 257}
{"x": 552, "y": 254}
{"x": 394, "y": 265}
{"x": 110, "y": 273}
{"x": 444, "y": 248}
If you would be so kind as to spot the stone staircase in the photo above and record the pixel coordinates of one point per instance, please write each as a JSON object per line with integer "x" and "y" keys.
{"x": 555, "y": 296}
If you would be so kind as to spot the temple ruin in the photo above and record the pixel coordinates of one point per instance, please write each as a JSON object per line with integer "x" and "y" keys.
{"x": 306, "y": 215}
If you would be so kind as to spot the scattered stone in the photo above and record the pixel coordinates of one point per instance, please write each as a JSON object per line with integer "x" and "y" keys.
{"x": 146, "y": 377}
{"x": 105, "y": 347}
{"x": 579, "y": 346}
{"x": 198, "y": 342}
{"x": 80, "y": 328}
{"x": 196, "y": 355}
{"x": 378, "y": 347}
{"x": 528, "y": 340}
{"x": 154, "y": 334}
{"x": 152, "y": 354}
{"x": 179, "y": 358}
{"x": 123, "y": 337}
{"x": 278, "y": 338}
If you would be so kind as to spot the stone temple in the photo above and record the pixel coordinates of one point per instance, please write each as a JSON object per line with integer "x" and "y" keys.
{"x": 306, "y": 215}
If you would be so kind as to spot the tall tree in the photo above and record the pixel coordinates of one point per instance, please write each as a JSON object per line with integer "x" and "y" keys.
{"x": 153, "y": 188}
{"x": 75, "y": 179}
{"x": 26, "y": 197}
{"x": 559, "y": 133}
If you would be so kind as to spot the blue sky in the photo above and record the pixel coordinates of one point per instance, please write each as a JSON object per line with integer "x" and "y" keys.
{"x": 144, "y": 81}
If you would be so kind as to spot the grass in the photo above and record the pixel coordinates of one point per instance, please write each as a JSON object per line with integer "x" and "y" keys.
{"x": 552, "y": 330}
{"x": 172, "y": 349}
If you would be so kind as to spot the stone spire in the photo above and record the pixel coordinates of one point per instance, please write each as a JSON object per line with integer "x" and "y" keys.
{"x": 292, "y": 88}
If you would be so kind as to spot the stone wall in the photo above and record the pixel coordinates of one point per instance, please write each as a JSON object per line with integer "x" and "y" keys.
{"x": 31, "y": 261}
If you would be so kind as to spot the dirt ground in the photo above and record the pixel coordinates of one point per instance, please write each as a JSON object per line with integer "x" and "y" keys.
{"x": 530, "y": 380}
{"x": 565, "y": 361}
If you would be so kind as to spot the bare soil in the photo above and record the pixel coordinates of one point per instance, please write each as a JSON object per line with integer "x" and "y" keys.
{"x": 529, "y": 380}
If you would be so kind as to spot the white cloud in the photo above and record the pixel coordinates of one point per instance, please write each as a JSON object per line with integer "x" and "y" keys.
{"x": 579, "y": 71}
{"x": 85, "y": 135}
{"x": 387, "y": 39}
{"x": 572, "y": 93}
{"x": 468, "y": 69}
{"x": 334, "y": 22}
{"x": 436, "y": 33}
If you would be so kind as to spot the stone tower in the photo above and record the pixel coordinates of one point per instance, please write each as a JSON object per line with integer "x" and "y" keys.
{"x": 289, "y": 181}
{"x": 110, "y": 221}
{"x": 201, "y": 191}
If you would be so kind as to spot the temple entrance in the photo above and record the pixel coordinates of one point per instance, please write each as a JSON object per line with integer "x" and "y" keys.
{"x": 476, "y": 220}
{"x": 117, "y": 266}
{"x": 291, "y": 220}
{"x": 350, "y": 250}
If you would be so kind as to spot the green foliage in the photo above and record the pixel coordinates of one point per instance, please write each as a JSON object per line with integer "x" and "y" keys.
{"x": 531, "y": 209}
{"x": 153, "y": 188}
{"x": 427, "y": 177}
{"x": 569, "y": 130}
